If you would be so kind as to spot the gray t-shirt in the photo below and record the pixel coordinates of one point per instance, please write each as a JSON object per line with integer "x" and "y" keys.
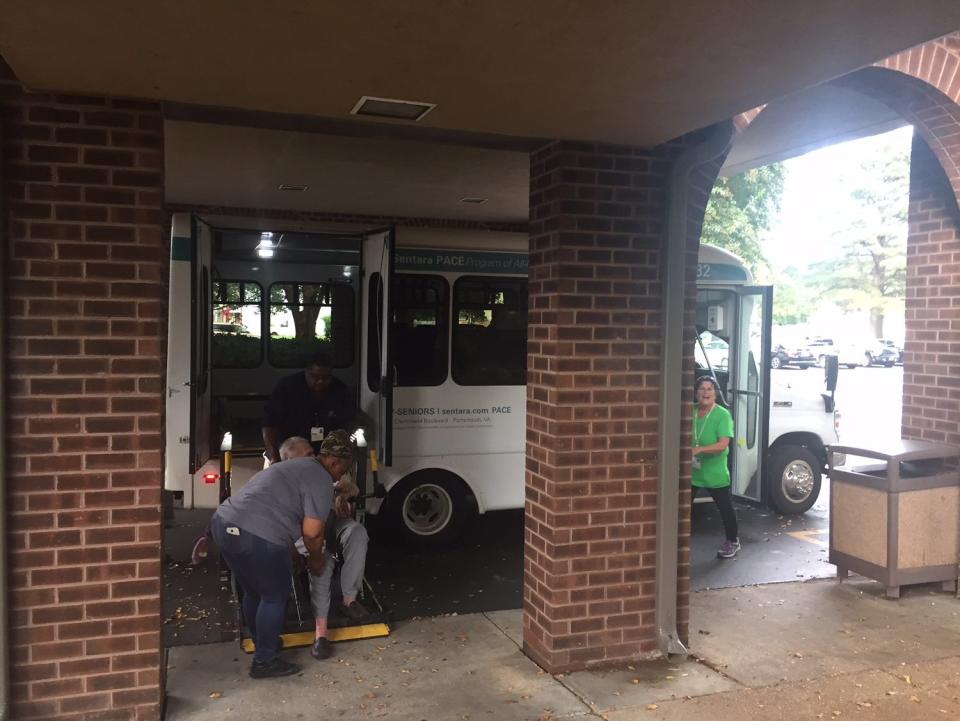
{"x": 275, "y": 501}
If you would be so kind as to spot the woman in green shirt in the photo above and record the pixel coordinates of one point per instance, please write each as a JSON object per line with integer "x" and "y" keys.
{"x": 712, "y": 431}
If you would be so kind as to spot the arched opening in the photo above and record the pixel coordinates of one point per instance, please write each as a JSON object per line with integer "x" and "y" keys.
{"x": 919, "y": 88}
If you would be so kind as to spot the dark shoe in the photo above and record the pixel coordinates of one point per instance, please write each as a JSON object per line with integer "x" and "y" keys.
{"x": 355, "y": 612}
{"x": 273, "y": 669}
{"x": 322, "y": 648}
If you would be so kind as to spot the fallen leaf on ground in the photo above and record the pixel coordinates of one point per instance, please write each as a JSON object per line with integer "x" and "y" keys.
{"x": 215, "y": 694}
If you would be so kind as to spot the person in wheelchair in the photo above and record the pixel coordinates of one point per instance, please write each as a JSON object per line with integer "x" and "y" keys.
{"x": 346, "y": 544}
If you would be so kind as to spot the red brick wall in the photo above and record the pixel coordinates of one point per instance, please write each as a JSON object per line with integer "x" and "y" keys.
{"x": 698, "y": 193}
{"x": 86, "y": 307}
{"x": 593, "y": 409}
{"x": 931, "y": 369}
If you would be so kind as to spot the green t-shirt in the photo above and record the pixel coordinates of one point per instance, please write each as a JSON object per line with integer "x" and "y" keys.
{"x": 717, "y": 424}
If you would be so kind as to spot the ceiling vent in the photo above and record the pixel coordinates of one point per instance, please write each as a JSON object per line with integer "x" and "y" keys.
{"x": 292, "y": 187}
{"x": 387, "y": 108}
{"x": 473, "y": 201}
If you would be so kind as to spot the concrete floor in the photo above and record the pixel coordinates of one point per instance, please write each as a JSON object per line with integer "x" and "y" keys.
{"x": 484, "y": 572}
{"x": 813, "y": 650}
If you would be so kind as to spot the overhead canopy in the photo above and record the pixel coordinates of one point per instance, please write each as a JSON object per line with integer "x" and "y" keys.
{"x": 623, "y": 71}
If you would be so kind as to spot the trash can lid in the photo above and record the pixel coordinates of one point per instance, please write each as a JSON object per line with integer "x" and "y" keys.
{"x": 902, "y": 450}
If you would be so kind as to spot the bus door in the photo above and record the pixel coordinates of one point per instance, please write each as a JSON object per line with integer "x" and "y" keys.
{"x": 200, "y": 386}
{"x": 749, "y": 389}
{"x": 377, "y": 376}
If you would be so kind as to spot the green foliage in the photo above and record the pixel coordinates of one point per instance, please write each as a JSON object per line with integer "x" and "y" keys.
{"x": 740, "y": 211}
{"x": 235, "y": 351}
{"x": 869, "y": 272}
{"x": 792, "y": 301}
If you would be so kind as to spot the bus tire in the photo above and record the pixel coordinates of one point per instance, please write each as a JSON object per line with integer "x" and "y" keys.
{"x": 794, "y": 477}
{"x": 775, "y": 362}
{"x": 430, "y": 509}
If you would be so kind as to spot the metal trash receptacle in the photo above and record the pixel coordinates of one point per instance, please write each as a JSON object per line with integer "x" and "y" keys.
{"x": 897, "y": 521}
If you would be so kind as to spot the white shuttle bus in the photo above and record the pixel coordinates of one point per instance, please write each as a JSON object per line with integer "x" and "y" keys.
{"x": 448, "y": 371}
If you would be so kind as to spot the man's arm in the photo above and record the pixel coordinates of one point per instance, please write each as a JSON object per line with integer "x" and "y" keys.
{"x": 271, "y": 443}
{"x": 313, "y": 533}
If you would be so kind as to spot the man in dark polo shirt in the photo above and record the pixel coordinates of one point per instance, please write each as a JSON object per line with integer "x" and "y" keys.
{"x": 310, "y": 403}
{"x": 255, "y": 530}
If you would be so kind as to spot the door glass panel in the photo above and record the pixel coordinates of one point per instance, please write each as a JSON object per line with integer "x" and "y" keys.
{"x": 305, "y": 318}
{"x": 237, "y": 324}
{"x": 748, "y": 398}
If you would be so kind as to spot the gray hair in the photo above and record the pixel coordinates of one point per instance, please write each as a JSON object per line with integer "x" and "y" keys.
{"x": 295, "y": 447}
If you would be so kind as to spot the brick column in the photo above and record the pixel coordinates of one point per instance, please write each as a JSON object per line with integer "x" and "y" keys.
{"x": 592, "y": 404}
{"x": 86, "y": 275}
{"x": 931, "y": 385}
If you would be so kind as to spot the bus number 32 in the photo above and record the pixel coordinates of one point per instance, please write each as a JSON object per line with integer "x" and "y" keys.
{"x": 703, "y": 270}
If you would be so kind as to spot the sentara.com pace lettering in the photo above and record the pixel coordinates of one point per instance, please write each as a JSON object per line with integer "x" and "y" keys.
{"x": 415, "y": 411}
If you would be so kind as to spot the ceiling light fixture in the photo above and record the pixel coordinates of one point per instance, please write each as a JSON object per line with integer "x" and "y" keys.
{"x": 264, "y": 252}
{"x": 292, "y": 187}
{"x": 473, "y": 201}
{"x": 390, "y": 108}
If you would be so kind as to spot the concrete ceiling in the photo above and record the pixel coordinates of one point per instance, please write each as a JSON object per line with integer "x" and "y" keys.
{"x": 224, "y": 165}
{"x": 628, "y": 71}
{"x": 243, "y": 167}
{"x": 811, "y": 119}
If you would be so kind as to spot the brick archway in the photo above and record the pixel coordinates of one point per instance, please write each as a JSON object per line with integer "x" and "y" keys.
{"x": 922, "y": 84}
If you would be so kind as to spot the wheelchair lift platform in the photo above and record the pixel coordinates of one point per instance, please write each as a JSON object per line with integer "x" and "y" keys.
{"x": 298, "y": 627}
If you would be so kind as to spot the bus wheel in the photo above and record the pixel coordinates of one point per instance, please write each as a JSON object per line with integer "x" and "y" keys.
{"x": 793, "y": 479}
{"x": 429, "y": 509}
{"x": 775, "y": 362}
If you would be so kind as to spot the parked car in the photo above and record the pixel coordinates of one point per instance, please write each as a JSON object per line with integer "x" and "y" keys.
{"x": 880, "y": 354}
{"x": 894, "y": 346}
{"x": 799, "y": 356}
{"x": 847, "y": 356}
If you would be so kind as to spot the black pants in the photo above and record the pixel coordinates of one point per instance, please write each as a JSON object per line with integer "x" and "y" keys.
{"x": 723, "y": 497}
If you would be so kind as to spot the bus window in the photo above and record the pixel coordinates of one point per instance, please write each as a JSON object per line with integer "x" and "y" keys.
{"x": 236, "y": 324}
{"x": 489, "y": 331}
{"x": 420, "y": 328}
{"x": 307, "y": 318}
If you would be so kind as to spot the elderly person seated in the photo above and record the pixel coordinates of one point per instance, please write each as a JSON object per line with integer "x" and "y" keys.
{"x": 343, "y": 532}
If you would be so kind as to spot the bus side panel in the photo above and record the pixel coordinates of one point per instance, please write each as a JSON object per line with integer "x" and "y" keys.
{"x": 454, "y": 420}
{"x": 476, "y": 432}
{"x": 495, "y": 479}
{"x": 177, "y": 461}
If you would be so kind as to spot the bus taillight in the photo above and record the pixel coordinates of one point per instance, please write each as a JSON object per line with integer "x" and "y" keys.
{"x": 211, "y": 477}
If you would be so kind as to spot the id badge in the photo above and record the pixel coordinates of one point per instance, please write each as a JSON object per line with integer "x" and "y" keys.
{"x": 316, "y": 434}
{"x": 696, "y": 462}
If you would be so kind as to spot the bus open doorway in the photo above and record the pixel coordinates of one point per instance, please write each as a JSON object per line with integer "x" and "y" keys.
{"x": 248, "y": 306}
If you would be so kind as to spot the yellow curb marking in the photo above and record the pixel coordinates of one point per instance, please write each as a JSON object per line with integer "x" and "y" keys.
{"x": 809, "y": 536}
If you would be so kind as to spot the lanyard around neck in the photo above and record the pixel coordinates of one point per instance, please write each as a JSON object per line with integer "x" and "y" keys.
{"x": 698, "y": 428}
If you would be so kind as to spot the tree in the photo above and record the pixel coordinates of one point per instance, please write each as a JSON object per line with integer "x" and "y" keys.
{"x": 870, "y": 270}
{"x": 740, "y": 211}
{"x": 792, "y": 303}
{"x": 303, "y": 302}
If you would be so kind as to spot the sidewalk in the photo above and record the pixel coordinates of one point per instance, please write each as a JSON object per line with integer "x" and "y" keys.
{"x": 815, "y": 650}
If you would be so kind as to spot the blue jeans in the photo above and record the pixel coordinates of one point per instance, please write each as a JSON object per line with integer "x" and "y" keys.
{"x": 263, "y": 570}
